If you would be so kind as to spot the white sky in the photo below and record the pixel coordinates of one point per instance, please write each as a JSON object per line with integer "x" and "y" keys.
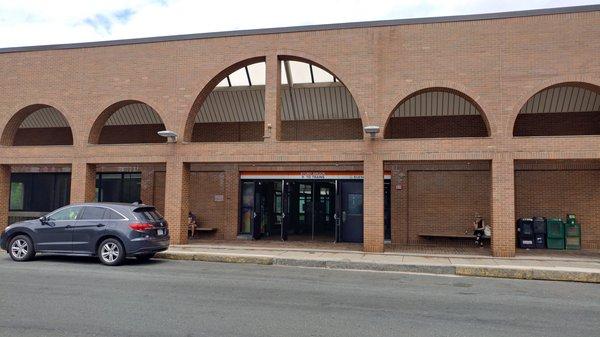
{"x": 36, "y": 22}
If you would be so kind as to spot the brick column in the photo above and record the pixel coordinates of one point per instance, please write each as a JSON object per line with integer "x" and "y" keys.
{"x": 373, "y": 204}
{"x": 273, "y": 99}
{"x": 503, "y": 206}
{"x": 4, "y": 195}
{"x": 232, "y": 190}
{"x": 177, "y": 199}
{"x": 83, "y": 182}
{"x": 147, "y": 185}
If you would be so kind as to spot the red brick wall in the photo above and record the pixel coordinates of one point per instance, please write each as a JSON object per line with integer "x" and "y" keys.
{"x": 43, "y": 136}
{"x": 379, "y": 65}
{"x": 558, "y": 124}
{"x": 159, "y": 191}
{"x": 434, "y": 127}
{"x": 329, "y": 129}
{"x": 442, "y": 196}
{"x": 446, "y": 201}
{"x": 204, "y": 186}
{"x": 228, "y": 132}
{"x": 124, "y": 134}
{"x": 555, "y": 193}
{"x": 291, "y": 130}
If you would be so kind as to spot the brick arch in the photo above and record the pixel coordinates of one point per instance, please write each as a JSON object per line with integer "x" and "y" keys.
{"x": 582, "y": 82}
{"x": 208, "y": 88}
{"x": 12, "y": 126}
{"x": 455, "y": 89}
{"x": 100, "y": 121}
{"x": 333, "y": 68}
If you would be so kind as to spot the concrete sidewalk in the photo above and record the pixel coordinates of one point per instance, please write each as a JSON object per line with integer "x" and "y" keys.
{"x": 531, "y": 268}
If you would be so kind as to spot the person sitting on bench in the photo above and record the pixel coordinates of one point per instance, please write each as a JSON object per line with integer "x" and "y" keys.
{"x": 192, "y": 222}
{"x": 479, "y": 230}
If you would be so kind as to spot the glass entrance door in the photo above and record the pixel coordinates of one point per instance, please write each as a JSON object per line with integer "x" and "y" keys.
{"x": 351, "y": 209}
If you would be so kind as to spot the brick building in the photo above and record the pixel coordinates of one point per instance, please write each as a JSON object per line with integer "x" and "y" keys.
{"x": 496, "y": 114}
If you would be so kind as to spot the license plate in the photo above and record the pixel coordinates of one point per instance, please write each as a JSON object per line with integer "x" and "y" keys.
{"x": 160, "y": 232}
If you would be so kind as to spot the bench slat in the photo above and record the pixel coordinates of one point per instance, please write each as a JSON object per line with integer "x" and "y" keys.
{"x": 448, "y": 235}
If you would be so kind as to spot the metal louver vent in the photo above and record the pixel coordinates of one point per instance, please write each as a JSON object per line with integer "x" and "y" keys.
{"x": 562, "y": 99}
{"x": 435, "y": 103}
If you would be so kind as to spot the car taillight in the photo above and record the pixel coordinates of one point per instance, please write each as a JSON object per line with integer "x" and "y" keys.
{"x": 140, "y": 227}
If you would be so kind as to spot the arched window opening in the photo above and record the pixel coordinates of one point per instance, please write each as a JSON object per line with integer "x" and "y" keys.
{"x": 562, "y": 110}
{"x": 436, "y": 113}
{"x": 234, "y": 111}
{"x": 127, "y": 122}
{"x": 315, "y": 105}
{"x": 38, "y": 125}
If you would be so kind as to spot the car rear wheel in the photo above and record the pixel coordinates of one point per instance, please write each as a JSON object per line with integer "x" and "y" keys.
{"x": 21, "y": 248}
{"x": 145, "y": 257}
{"x": 111, "y": 252}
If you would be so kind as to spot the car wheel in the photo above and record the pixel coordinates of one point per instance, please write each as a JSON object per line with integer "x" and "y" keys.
{"x": 21, "y": 248}
{"x": 145, "y": 257}
{"x": 111, "y": 252}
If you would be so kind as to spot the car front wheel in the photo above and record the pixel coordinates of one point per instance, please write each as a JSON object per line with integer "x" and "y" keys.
{"x": 111, "y": 252}
{"x": 21, "y": 248}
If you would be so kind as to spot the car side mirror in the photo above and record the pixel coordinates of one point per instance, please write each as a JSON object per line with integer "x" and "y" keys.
{"x": 43, "y": 219}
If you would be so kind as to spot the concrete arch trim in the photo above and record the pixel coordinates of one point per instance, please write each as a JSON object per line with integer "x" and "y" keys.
{"x": 209, "y": 87}
{"x": 527, "y": 93}
{"x": 94, "y": 130}
{"x": 453, "y": 87}
{"x": 11, "y": 126}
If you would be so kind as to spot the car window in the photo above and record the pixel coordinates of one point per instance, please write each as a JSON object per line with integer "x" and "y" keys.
{"x": 68, "y": 213}
{"x": 147, "y": 214}
{"x": 109, "y": 214}
{"x": 92, "y": 213}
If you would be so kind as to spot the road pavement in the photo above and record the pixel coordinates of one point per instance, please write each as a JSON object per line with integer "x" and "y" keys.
{"x": 59, "y": 296}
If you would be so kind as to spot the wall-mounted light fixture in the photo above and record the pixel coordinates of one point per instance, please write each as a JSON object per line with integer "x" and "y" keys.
{"x": 372, "y": 130}
{"x": 170, "y": 135}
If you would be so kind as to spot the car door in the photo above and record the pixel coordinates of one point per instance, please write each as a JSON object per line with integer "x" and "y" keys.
{"x": 55, "y": 232}
{"x": 89, "y": 227}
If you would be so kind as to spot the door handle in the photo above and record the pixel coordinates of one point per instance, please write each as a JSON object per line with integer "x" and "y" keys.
{"x": 100, "y": 225}
{"x": 68, "y": 226}
{"x": 253, "y": 215}
{"x": 344, "y": 216}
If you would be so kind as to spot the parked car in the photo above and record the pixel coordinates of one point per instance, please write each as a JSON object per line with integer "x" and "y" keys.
{"x": 110, "y": 231}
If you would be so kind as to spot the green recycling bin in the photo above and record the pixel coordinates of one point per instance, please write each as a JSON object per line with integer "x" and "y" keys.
{"x": 572, "y": 233}
{"x": 555, "y": 233}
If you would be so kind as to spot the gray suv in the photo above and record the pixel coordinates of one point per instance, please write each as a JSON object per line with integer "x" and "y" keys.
{"x": 110, "y": 231}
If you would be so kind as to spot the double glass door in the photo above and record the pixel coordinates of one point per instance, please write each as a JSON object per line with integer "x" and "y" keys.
{"x": 302, "y": 210}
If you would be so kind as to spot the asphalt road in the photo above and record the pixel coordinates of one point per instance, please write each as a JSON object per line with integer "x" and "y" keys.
{"x": 54, "y": 296}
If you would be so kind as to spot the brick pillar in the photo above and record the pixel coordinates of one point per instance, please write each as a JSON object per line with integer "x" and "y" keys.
{"x": 177, "y": 199}
{"x": 4, "y": 195}
{"x": 83, "y": 182}
{"x": 503, "y": 207}
{"x": 273, "y": 99}
{"x": 373, "y": 204}
{"x": 147, "y": 185}
{"x": 232, "y": 190}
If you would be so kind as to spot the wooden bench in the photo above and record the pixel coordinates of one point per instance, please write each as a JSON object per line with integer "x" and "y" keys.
{"x": 449, "y": 235}
{"x": 200, "y": 229}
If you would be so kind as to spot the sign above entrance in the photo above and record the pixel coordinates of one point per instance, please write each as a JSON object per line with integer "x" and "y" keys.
{"x": 308, "y": 175}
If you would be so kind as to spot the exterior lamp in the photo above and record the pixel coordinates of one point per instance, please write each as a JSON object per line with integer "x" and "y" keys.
{"x": 170, "y": 135}
{"x": 372, "y": 130}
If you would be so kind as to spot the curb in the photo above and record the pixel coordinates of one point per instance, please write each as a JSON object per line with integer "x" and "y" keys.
{"x": 522, "y": 273}
{"x": 530, "y": 274}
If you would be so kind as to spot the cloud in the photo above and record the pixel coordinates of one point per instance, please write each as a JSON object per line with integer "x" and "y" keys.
{"x": 37, "y": 22}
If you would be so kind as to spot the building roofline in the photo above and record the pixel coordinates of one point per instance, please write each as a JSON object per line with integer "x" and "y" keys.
{"x": 309, "y": 28}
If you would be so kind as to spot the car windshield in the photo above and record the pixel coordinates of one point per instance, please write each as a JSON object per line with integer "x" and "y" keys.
{"x": 148, "y": 214}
